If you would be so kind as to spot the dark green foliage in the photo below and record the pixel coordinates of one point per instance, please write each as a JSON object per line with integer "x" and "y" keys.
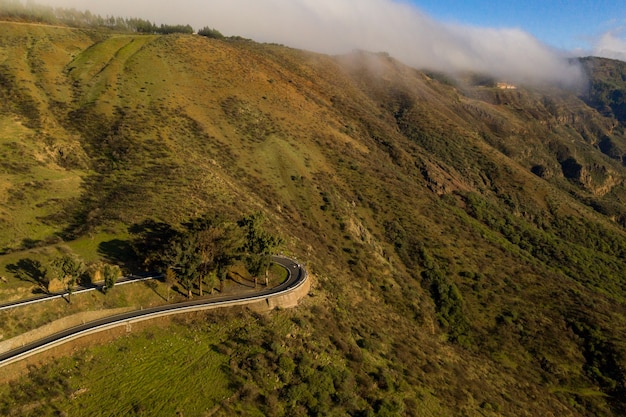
{"x": 210, "y": 33}
{"x": 449, "y": 305}
{"x": 182, "y": 255}
{"x": 169, "y": 29}
{"x": 218, "y": 243}
{"x": 68, "y": 269}
{"x": 604, "y": 363}
{"x": 204, "y": 247}
{"x": 141, "y": 25}
{"x": 258, "y": 245}
{"x": 111, "y": 274}
{"x": 150, "y": 238}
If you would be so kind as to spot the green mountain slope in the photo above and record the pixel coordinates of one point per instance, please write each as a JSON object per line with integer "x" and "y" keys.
{"x": 467, "y": 241}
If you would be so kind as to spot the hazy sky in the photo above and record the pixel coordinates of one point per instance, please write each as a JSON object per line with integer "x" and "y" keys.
{"x": 517, "y": 40}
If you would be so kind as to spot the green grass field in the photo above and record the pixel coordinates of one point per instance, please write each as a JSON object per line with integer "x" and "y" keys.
{"x": 177, "y": 369}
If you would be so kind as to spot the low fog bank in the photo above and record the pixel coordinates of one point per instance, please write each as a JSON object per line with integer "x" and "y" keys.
{"x": 610, "y": 45}
{"x": 340, "y": 26}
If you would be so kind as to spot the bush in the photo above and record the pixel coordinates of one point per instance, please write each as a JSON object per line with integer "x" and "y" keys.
{"x": 449, "y": 305}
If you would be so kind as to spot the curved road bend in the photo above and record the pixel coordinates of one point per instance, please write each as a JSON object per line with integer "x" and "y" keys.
{"x": 296, "y": 276}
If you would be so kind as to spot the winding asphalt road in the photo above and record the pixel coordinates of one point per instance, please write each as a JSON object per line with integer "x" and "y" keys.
{"x": 297, "y": 275}
{"x": 79, "y": 289}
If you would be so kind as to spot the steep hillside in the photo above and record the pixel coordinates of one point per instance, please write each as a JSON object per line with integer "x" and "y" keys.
{"x": 606, "y": 87}
{"x": 467, "y": 241}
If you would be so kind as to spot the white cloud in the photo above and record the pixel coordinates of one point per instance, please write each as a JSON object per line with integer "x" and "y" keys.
{"x": 611, "y": 45}
{"x": 340, "y": 26}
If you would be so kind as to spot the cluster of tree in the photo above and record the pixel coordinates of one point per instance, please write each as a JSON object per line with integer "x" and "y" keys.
{"x": 200, "y": 251}
{"x": 210, "y": 33}
{"x": 65, "y": 272}
{"x": 68, "y": 271}
{"x": 449, "y": 305}
{"x": 32, "y": 12}
{"x": 148, "y": 27}
{"x": 15, "y": 10}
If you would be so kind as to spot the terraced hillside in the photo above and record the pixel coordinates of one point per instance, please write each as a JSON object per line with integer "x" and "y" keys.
{"x": 467, "y": 241}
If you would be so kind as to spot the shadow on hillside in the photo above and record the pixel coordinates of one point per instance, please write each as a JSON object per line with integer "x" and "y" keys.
{"x": 119, "y": 252}
{"x": 151, "y": 235}
{"x": 30, "y": 270}
{"x": 240, "y": 279}
{"x": 154, "y": 287}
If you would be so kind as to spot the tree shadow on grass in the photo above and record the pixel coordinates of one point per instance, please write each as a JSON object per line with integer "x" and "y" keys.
{"x": 30, "y": 270}
{"x": 179, "y": 290}
{"x": 149, "y": 237}
{"x": 119, "y": 252}
{"x": 153, "y": 286}
{"x": 152, "y": 235}
{"x": 240, "y": 279}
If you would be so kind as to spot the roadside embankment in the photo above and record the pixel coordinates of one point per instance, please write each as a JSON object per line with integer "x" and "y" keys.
{"x": 287, "y": 295}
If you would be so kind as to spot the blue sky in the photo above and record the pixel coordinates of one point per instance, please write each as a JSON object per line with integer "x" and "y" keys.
{"x": 563, "y": 24}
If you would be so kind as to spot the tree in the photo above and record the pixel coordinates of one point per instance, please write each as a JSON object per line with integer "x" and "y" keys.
{"x": 151, "y": 239}
{"x": 169, "y": 29}
{"x": 217, "y": 243}
{"x": 200, "y": 250}
{"x": 184, "y": 259}
{"x": 258, "y": 245}
{"x": 208, "y": 241}
{"x": 171, "y": 250}
{"x": 111, "y": 274}
{"x": 68, "y": 269}
{"x": 141, "y": 25}
{"x": 211, "y": 280}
